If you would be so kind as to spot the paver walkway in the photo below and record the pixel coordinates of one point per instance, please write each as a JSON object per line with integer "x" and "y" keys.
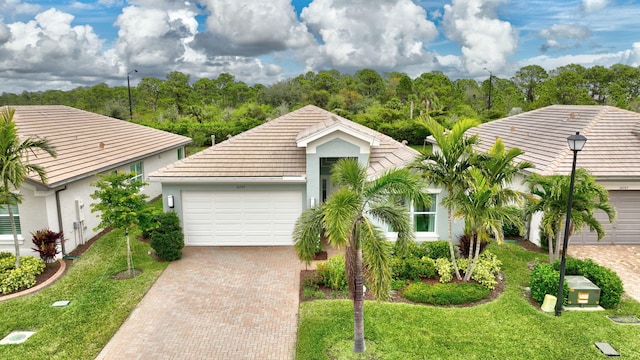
{"x": 624, "y": 260}
{"x": 216, "y": 303}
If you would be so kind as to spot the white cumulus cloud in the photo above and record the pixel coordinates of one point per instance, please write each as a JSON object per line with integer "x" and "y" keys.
{"x": 485, "y": 40}
{"x": 378, "y": 34}
{"x": 594, "y": 5}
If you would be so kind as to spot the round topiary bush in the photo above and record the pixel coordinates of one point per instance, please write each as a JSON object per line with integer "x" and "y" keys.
{"x": 167, "y": 238}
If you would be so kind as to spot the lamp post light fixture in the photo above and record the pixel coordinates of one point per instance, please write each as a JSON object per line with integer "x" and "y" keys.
{"x": 129, "y": 89}
{"x": 576, "y": 143}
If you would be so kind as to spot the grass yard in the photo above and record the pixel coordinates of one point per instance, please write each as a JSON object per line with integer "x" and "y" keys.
{"x": 507, "y": 328}
{"x": 98, "y": 305}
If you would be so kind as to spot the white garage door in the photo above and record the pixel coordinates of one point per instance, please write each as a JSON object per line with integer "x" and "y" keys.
{"x": 625, "y": 230}
{"x": 240, "y": 218}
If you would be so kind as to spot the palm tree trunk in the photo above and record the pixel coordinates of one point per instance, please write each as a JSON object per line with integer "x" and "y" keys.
{"x": 15, "y": 235}
{"x": 556, "y": 254}
{"x": 472, "y": 264}
{"x": 358, "y": 306}
{"x": 451, "y": 251}
{"x": 550, "y": 241}
{"x": 470, "y": 257}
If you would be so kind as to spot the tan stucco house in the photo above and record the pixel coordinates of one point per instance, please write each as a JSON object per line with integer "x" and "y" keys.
{"x": 87, "y": 144}
{"x": 611, "y": 154}
{"x": 250, "y": 190}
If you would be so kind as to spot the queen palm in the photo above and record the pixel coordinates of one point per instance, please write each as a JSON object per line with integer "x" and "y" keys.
{"x": 15, "y": 166}
{"x": 349, "y": 219}
{"x": 446, "y": 166}
{"x": 551, "y": 196}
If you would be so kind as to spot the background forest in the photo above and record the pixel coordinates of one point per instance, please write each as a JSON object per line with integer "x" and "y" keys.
{"x": 390, "y": 103}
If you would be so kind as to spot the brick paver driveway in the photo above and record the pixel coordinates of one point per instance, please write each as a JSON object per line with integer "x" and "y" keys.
{"x": 216, "y": 303}
{"x": 624, "y": 260}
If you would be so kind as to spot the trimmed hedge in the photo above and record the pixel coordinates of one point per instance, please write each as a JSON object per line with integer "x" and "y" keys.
{"x": 446, "y": 294}
{"x": 167, "y": 239}
{"x": 413, "y": 268}
{"x": 610, "y": 284}
{"x": 544, "y": 280}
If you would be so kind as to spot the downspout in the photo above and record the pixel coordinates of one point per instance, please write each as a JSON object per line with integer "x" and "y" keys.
{"x": 57, "y": 192}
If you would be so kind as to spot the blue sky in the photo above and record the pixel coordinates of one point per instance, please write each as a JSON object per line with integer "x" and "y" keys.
{"x": 64, "y": 44}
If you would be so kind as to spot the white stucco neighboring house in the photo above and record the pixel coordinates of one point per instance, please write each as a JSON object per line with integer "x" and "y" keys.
{"x": 87, "y": 144}
{"x": 250, "y": 190}
{"x": 611, "y": 154}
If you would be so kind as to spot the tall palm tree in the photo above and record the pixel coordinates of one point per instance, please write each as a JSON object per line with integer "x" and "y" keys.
{"x": 551, "y": 196}
{"x": 15, "y": 166}
{"x": 349, "y": 218}
{"x": 446, "y": 166}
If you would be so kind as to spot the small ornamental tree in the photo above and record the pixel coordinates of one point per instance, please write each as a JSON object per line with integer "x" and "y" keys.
{"x": 167, "y": 238}
{"x": 46, "y": 242}
{"x": 120, "y": 204}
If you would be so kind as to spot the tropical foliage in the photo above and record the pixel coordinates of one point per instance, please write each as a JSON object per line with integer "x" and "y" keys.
{"x": 551, "y": 195}
{"x": 349, "y": 220}
{"x": 15, "y": 166}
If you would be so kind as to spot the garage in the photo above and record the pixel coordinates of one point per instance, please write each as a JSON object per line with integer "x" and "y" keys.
{"x": 625, "y": 230}
{"x": 240, "y": 218}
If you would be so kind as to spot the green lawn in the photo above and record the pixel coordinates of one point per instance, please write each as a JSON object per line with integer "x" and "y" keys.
{"x": 507, "y": 328}
{"x": 98, "y": 306}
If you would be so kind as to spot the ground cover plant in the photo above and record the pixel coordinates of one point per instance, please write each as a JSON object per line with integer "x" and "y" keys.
{"x": 14, "y": 279}
{"x": 510, "y": 327}
{"x": 98, "y": 305}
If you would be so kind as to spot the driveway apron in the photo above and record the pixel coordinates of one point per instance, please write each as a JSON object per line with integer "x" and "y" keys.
{"x": 624, "y": 260}
{"x": 216, "y": 303}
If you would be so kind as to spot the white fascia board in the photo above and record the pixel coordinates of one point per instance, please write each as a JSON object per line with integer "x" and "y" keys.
{"x": 372, "y": 141}
{"x": 230, "y": 180}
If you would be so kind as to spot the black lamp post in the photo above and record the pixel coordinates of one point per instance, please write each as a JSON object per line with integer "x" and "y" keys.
{"x": 129, "y": 89}
{"x": 576, "y": 143}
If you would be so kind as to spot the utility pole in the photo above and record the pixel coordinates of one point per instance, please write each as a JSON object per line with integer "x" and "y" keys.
{"x": 129, "y": 89}
{"x": 490, "y": 88}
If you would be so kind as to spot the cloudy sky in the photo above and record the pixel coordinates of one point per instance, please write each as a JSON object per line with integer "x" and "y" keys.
{"x": 59, "y": 44}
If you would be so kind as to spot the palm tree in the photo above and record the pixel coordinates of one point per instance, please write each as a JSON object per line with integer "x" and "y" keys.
{"x": 446, "y": 166}
{"x": 15, "y": 166}
{"x": 349, "y": 219}
{"x": 551, "y": 197}
{"x": 482, "y": 208}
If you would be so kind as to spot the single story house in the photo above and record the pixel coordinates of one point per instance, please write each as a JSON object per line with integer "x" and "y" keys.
{"x": 250, "y": 189}
{"x": 87, "y": 144}
{"x": 611, "y": 154}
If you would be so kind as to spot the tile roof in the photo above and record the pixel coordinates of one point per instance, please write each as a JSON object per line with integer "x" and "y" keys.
{"x": 270, "y": 150}
{"x": 88, "y": 143}
{"x": 613, "y": 139}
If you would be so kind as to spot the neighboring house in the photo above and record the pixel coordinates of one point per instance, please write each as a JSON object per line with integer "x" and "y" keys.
{"x": 251, "y": 189}
{"x": 611, "y": 154}
{"x": 87, "y": 144}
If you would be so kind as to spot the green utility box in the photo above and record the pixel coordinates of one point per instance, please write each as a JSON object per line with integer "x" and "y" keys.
{"x": 582, "y": 292}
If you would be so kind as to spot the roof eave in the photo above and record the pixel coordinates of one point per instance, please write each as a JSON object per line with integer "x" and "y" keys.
{"x": 229, "y": 180}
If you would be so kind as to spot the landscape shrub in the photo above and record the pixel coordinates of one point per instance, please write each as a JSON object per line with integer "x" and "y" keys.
{"x": 167, "y": 240}
{"x": 509, "y": 229}
{"x": 486, "y": 270}
{"x": 436, "y": 249}
{"x": 148, "y": 221}
{"x": 446, "y": 294}
{"x": 544, "y": 280}
{"x": 444, "y": 267}
{"x": 464, "y": 243}
{"x": 312, "y": 280}
{"x": 333, "y": 273}
{"x": 414, "y": 268}
{"x": 46, "y": 242}
{"x": 22, "y": 278}
{"x": 7, "y": 261}
{"x": 610, "y": 284}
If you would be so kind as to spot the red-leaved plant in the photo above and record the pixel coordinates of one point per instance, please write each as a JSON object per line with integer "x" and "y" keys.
{"x": 46, "y": 242}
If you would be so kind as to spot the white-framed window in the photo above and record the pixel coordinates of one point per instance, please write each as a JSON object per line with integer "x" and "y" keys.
{"x": 136, "y": 168}
{"x": 423, "y": 217}
{"x": 5, "y": 223}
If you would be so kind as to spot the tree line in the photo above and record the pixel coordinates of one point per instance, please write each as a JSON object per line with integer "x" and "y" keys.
{"x": 388, "y": 102}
